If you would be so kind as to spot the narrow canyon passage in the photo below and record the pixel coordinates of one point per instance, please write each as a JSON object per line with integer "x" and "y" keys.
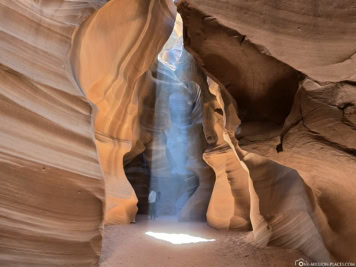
{"x": 171, "y": 163}
{"x": 182, "y": 136}
{"x": 177, "y": 133}
{"x": 130, "y": 246}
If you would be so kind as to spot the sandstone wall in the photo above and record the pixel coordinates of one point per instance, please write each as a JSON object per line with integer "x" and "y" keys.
{"x": 111, "y": 56}
{"x": 290, "y": 68}
{"x": 51, "y": 190}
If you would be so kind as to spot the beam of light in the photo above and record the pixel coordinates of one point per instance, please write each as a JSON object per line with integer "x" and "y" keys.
{"x": 177, "y": 111}
{"x": 178, "y": 239}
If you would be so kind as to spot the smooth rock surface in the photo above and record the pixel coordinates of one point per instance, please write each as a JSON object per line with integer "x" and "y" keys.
{"x": 308, "y": 103}
{"x": 51, "y": 190}
{"x": 113, "y": 74}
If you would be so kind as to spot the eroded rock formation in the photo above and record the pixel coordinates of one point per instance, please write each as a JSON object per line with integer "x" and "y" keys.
{"x": 97, "y": 107}
{"x": 292, "y": 77}
{"x": 111, "y": 63}
{"x": 51, "y": 190}
{"x": 55, "y": 152}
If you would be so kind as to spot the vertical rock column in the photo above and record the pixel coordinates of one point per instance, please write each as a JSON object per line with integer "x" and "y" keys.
{"x": 111, "y": 56}
{"x": 229, "y": 206}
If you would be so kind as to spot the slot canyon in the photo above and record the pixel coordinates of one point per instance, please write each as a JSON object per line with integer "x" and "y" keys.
{"x": 177, "y": 133}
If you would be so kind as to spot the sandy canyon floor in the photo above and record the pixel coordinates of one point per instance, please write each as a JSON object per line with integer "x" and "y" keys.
{"x": 130, "y": 246}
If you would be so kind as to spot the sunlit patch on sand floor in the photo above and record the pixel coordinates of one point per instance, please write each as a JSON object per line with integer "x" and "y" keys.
{"x": 178, "y": 239}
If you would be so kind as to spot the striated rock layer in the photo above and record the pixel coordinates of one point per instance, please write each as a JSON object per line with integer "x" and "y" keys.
{"x": 229, "y": 205}
{"x": 111, "y": 56}
{"x": 292, "y": 77}
{"x": 51, "y": 190}
{"x": 52, "y": 71}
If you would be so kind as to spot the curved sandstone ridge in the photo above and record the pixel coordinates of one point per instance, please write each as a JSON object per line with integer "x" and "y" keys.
{"x": 270, "y": 196}
{"x": 229, "y": 204}
{"x": 296, "y": 194}
{"x": 316, "y": 38}
{"x": 111, "y": 56}
{"x": 51, "y": 190}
